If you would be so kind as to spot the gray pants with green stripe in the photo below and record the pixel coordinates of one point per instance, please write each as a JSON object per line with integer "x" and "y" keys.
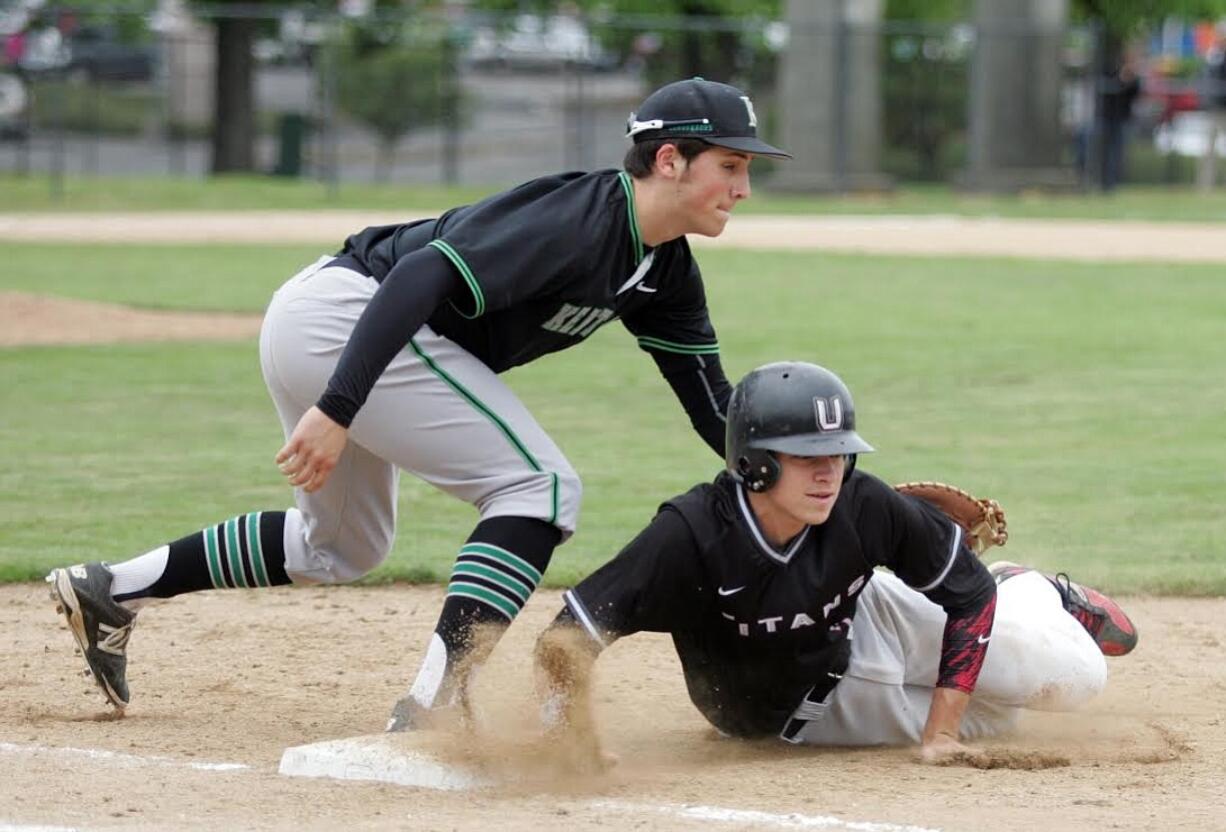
{"x": 436, "y": 412}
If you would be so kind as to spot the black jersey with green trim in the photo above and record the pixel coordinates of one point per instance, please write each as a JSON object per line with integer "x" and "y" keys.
{"x": 756, "y": 628}
{"x": 546, "y": 264}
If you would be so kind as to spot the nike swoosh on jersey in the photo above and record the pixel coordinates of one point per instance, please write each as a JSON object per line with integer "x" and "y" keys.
{"x": 984, "y": 639}
{"x": 639, "y": 273}
{"x": 641, "y": 288}
{"x": 732, "y": 591}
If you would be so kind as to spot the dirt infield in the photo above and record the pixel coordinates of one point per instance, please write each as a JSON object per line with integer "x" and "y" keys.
{"x": 34, "y": 319}
{"x": 1068, "y": 239}
{"x": 28, "y": 319}
{"x": 224, "y": 681}
{"x": 235, "y": 677}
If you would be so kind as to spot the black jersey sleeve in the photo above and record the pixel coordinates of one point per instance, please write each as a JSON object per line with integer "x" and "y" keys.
{"x": 922, "y": 546}
{"x": 676, "y": 330}
{"x": 676, "y": 322}
{"x": 700, "y": 385}
{"x": 655, "y": 584}
{"x": 926, "y": 550}
{"x": 409, "y": 294}
{"x": 514, "y": 245}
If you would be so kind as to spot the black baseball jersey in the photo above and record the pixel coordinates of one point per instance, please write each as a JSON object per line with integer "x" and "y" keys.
{"x": 527, "y": 272}
{"x": 756, "y": 628}
{"x": 546, "y": 264}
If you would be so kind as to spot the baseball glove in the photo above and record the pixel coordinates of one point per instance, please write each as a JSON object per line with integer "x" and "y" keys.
{"x": 982, "y": 520}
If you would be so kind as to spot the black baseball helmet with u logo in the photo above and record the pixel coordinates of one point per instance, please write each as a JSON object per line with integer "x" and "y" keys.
{"x": 790, "y": 407}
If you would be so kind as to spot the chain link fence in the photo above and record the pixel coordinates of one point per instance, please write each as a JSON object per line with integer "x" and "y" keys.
{"x": 485, "y": 99}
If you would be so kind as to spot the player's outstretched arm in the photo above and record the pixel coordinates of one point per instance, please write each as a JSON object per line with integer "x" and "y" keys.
{"x": 940, "y": 742}
{"x": 564, "y": 664}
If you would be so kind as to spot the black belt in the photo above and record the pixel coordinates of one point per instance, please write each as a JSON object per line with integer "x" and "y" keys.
{"x": 347, "y": 261}
{"x": 810, "y": 709}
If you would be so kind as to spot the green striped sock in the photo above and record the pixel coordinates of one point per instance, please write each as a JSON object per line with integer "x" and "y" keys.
{"x": 495, "y": 577}
{"x": 247, "y": 551}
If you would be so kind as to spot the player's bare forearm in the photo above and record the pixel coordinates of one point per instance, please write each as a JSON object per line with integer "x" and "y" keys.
{"x": 945, "y": 713}
{"x": 941, "y": 740}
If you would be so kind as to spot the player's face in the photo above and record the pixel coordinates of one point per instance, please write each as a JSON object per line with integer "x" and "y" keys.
{"x": 710, "y": 185}
{"x": 807, "y": 488}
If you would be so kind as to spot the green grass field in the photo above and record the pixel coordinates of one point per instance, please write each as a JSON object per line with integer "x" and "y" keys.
{"x": 35, "y": 193}
{"x": 1086, "y": 398}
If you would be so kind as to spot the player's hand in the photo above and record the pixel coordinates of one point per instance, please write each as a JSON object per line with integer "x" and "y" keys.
{"x": 312, "y": 451}
{"x": 944, "y": 749}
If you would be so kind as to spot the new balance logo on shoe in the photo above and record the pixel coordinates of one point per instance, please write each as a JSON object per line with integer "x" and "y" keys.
{"x": 116, "y": 641}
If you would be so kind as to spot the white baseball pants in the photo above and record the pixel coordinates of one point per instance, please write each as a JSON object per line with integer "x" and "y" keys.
{"x": 1039, "y": 657}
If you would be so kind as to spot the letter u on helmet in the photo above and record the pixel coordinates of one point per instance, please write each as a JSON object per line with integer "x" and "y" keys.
{"x": 789, "y": 407}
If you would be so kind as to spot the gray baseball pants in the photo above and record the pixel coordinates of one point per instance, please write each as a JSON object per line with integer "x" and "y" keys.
{"x": 436, "y": 412}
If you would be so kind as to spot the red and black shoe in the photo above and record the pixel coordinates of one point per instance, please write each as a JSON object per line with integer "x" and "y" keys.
{"x": 1111, "y": 629}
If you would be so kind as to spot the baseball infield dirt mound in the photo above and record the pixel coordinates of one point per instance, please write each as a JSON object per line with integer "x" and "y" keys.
{"x": 223, "y": 682}
{"x": 27, "y": 319}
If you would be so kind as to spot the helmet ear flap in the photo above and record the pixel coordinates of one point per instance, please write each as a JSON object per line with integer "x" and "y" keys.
{"x": 758, "y": 469}
{"x": 849, "y": 466}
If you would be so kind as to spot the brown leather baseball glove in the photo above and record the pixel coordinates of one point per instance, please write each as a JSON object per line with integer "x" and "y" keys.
{"x": 982, "y": 520}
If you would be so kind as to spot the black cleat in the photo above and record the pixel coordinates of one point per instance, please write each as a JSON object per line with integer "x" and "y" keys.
{"x": 101, "y": 627}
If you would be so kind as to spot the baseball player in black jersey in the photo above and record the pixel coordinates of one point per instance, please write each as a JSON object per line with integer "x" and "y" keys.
{"x": 386, "y": 355}
{"x": 767, "y": 581}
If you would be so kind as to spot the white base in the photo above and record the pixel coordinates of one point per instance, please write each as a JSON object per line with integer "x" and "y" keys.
{"x": 379, "y": 757}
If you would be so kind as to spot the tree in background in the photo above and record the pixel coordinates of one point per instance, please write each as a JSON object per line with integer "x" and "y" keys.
{"x": 1117, "y": 22}
{"x": 237, "y": 23}
{"x": 232, "y": 142}
{"x": 1123, "y": 19}
{"x": 394, "y": 78}
{"x": 924, "y": 87}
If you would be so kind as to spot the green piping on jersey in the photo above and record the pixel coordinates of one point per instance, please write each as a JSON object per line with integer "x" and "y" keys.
{"x": 482, "y": 408}
{"x": 649, "y": 343}
{"x": 636, "y": 236}
{"x": 465, "y": 272}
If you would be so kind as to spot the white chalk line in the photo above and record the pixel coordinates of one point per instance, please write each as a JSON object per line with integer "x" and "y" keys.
{"x": 117, "y": 756}
{"x": 719, "y": 814}
{"x": 758, "y": 819}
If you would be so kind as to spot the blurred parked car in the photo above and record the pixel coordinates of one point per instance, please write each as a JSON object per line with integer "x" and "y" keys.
{"x": 1187, "y": 134}
{"x": 98, "y": 53}
{"x": 534, "y": 42}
